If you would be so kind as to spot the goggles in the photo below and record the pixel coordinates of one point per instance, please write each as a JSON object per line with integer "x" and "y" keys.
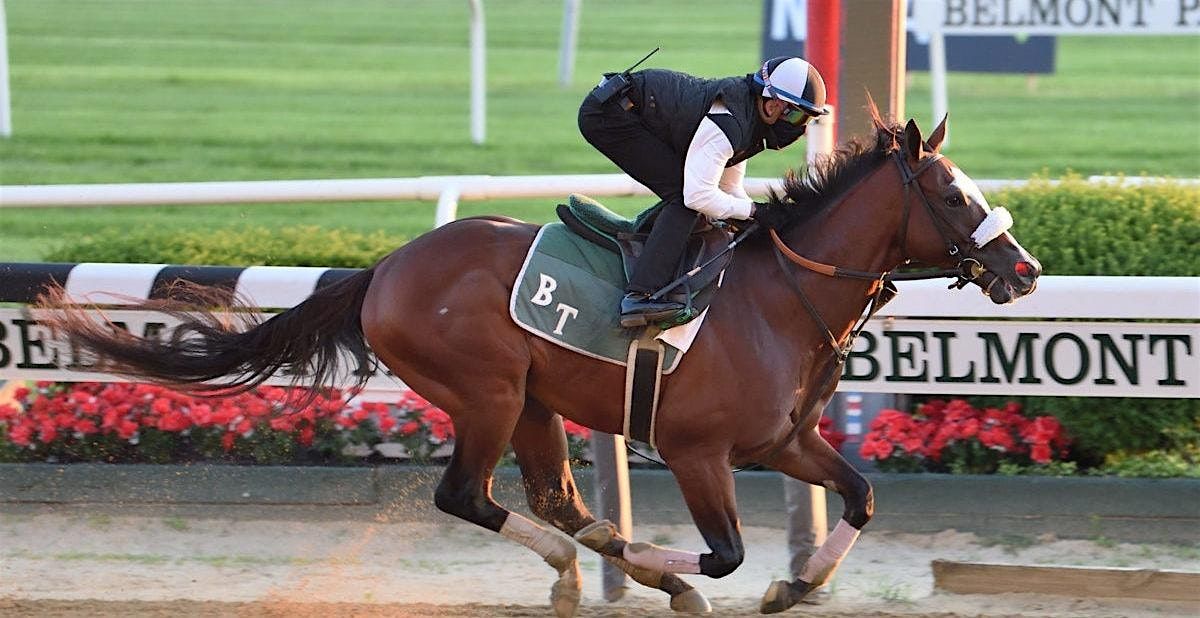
{"x": 796, "y": 116}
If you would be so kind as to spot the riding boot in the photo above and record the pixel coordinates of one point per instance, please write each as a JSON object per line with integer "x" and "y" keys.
{"x": 656, "y": 266}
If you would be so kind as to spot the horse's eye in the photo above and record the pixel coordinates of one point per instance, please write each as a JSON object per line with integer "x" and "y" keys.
{"x": 955, "y": 199}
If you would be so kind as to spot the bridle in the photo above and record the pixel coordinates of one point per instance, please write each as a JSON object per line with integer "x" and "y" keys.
{"x": 967, "y": 270}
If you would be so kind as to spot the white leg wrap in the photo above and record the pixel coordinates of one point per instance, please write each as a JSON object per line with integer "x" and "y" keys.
{"x": 825, "y": 561}
{"x": 557, "y": 551}
{"x": 658, "y": 558}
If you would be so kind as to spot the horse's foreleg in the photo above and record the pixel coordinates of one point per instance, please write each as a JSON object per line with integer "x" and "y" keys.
{"x": 707, "y": 486}
{"x": 813, "y": 460}
{"x": 540, "y": 445}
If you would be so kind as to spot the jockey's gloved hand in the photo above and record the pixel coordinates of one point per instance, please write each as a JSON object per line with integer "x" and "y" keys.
{"x": 771, "y": 216}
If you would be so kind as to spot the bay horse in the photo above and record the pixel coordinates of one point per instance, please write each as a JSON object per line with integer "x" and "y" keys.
{"x": 750, "y": 390}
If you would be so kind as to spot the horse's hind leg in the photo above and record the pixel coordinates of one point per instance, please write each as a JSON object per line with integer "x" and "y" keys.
{"x": 540, "y": 445}
{"x": 465, "y": 492}
{"x": 435, "y": 315}
{"x": 813, "y": 460}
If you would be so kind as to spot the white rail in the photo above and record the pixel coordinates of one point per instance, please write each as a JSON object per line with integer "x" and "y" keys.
{"x": 446, "y": 190}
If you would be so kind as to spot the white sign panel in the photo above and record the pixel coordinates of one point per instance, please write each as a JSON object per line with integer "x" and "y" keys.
{"x": 953, "y": 357}
{"x": 29, "y": 351}
{"x": 1093, "y": 359}
{"x": 1008, "y": 17}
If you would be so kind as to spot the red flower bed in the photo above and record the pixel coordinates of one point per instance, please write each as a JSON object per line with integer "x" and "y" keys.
{"x": 137, "y": 423}
{"x": 834, "y": 437}
{"x": 954, "y": 436}
{"x": 127, "y": 423}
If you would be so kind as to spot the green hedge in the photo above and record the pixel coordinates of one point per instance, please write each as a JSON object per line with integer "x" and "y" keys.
{"x": 1073, "y": 227}
{"x": 290, "y": 246}
{"x": 1080, "y": 228}
{"x": 1105, "y": 430}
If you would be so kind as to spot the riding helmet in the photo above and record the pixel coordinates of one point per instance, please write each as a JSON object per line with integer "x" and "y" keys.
{"x": 793, "y": 80}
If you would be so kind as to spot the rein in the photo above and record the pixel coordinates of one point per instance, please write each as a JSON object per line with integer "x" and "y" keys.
{"x": 967, "y": 270}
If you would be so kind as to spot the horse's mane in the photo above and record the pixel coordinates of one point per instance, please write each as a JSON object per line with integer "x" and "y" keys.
{"x": 818, "y": 186}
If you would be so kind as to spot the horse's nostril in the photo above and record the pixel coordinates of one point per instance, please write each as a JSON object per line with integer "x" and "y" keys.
{"x": 1024, "y": 269}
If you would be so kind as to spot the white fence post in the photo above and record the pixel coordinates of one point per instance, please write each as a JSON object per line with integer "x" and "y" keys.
{"x": 5, "y": 101}
{"x": 566, "y": 49}
{"x": 478, "y": 73}
{"x": 819, "y": 136}
{"x": 447, "y": 206}
{"x": 937, "y": 79}
{"x": 611, "y": 475}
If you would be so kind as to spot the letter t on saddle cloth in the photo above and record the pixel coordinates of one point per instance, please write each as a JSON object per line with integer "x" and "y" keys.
{"x": 576, "y": 270}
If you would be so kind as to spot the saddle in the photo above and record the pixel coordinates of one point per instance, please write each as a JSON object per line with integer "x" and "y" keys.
{"x": 604, "y": 228}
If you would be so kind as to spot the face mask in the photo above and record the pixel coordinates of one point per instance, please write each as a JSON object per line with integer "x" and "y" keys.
{"x": 781, "y": 134}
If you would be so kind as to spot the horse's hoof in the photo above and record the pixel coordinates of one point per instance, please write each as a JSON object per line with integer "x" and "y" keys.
{"x": 566, "y": 592}
{"x": 596, "y": 534}
{"x": 691, "y": 602}
{"x": 601, "y": 536}
{"x": 777, "y": 598}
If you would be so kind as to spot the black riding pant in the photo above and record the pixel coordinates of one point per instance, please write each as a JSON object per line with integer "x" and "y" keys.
{"x": 620, "y": 135}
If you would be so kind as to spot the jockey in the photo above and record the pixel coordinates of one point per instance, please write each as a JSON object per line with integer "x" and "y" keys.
{"x": 688, "y": 139}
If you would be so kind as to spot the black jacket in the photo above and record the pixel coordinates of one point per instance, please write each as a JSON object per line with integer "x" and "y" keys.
{"x": 672, "y": 104}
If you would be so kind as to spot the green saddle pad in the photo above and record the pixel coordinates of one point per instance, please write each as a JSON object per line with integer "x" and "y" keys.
{"x": 569, "y": 291}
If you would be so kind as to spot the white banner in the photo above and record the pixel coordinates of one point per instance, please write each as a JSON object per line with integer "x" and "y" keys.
{"x": 28, "y": 351}
{"x": 1092, "y": 359}
{"x": 1066, "y": 17}
{"x": 953, "y": 357}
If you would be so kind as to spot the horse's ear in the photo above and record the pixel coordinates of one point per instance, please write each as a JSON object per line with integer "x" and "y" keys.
{"x": 912, "y": 139}
{"x": 873, "y": 109}
{"x": 938, "y": 135}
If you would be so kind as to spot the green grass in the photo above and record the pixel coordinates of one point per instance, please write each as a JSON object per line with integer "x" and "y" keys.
{"x": 187, "y": 90}
{"x": 1012, "y": 544}
{"x": 891, "y": 591}
{"x": 112, "y": 557}
{"x": 177, "y": 524}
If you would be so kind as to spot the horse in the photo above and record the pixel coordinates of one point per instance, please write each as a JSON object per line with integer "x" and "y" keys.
{"x": 750, "y": 390}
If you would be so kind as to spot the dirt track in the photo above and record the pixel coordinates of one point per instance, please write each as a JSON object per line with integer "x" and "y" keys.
{"x": 79, "y": 562}
{"x": 206, "y": 609}
{"x": 165, "y": 609}
{"x": 269, "y": 609}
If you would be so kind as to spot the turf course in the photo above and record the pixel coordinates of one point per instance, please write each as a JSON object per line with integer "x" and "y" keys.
{"x": 153, "y": 91}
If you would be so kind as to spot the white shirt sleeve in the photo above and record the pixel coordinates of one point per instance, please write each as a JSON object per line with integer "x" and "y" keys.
{"x": 731, "y": 180}
{"x": 709, "y": 187}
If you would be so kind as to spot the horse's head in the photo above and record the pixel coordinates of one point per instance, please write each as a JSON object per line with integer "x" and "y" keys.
{"x": 948, "y": 222}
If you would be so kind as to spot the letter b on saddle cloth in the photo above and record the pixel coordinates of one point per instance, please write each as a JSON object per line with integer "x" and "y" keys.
{"x": 570, "y": 287}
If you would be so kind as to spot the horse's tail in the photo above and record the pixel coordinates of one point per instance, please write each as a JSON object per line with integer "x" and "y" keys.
{"x": 207, "y": 353}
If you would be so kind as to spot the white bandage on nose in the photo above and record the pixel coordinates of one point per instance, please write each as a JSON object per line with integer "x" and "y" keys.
{"x": 997, "y": 222}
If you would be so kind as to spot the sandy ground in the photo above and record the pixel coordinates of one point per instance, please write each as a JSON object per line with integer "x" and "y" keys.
{"x": 81, "y": 562}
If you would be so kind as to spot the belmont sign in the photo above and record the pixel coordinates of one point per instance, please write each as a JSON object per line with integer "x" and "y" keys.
{"x": 29, "y": 351}
{"x": 967, "y": 357}
{"x": 1094, "y": 359}
{"x": 1066, "y": 17}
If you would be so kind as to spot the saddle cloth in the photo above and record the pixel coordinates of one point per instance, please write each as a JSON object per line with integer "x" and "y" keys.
{"x": 568, "y": 292}
{"x": 569, "y": 288}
